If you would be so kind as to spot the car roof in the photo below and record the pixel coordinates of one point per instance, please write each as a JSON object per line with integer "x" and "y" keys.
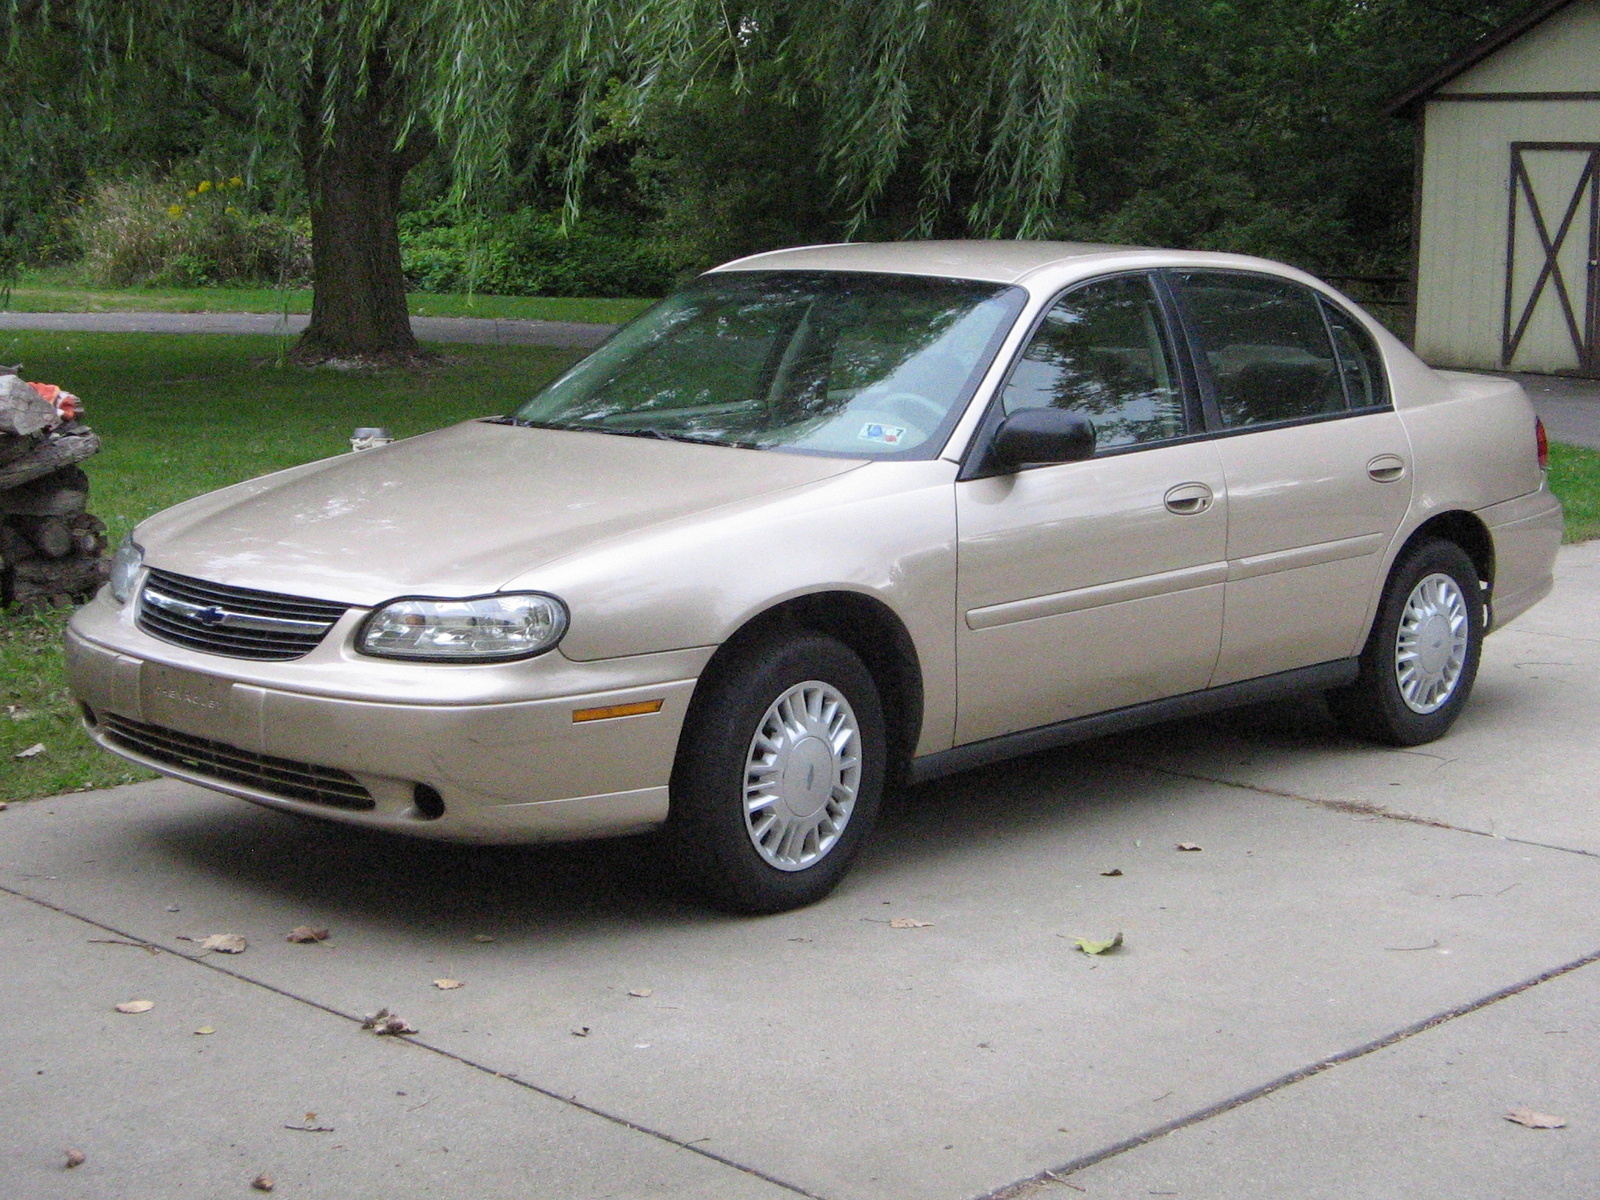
{"x": 997, "y": 260}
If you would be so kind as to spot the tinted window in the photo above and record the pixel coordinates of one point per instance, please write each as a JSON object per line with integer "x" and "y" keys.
{"x": 1359, "y": 361}
{"x": 1268, "y": 348}
{"x": 1101, "y": 351}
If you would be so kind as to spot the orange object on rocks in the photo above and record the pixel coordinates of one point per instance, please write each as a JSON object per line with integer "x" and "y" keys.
{"x": 68, "y": 405}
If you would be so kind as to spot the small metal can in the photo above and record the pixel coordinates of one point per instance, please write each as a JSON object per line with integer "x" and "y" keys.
{"x": 368, "y": 437}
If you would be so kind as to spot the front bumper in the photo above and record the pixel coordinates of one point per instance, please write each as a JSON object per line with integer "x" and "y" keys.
{"x": 497, "y": 744}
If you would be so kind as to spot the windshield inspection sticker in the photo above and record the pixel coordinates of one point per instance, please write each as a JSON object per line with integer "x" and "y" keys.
{"x": 889, "y": 435}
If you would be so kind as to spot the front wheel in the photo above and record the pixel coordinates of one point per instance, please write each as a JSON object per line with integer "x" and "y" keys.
{"x": 1421, "y": 659}
{"x": 779, "y": 774}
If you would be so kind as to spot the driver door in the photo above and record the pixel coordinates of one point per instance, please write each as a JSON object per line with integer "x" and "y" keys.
{"x": 1093, "y": 585}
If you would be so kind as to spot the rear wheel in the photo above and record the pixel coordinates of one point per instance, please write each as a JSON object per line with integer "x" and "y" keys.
{"x": 779, "y": 774}
{"x": 1420, "y": 661}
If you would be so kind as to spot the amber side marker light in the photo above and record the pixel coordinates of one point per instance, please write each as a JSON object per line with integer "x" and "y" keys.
{"x": 637, "y": 709}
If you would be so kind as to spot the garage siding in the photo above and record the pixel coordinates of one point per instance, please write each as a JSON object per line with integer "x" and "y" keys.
{"x": 1464, "y": 202}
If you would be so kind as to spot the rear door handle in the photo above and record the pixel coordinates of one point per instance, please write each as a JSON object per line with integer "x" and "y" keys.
{"x": 1386, "y": 468}
{"x": 1188, "y": 499}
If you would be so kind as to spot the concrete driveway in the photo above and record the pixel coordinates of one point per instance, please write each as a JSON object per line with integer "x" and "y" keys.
{"x": 1375, "y": 955}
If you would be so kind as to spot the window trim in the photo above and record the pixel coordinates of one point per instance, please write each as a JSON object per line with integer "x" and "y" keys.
{"x": 974, "y": 459}
{"x": 1202, "y": 365}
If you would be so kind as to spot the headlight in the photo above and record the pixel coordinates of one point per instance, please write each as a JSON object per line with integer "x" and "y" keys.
{"x": 509, "y": 625}
{"x": 125, "y": 566}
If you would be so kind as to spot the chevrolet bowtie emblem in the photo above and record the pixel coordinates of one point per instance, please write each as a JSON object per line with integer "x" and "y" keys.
{"x": 211, "y": 617}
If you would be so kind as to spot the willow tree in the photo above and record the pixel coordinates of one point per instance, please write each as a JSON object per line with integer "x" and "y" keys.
{"x": 360, "y": 91}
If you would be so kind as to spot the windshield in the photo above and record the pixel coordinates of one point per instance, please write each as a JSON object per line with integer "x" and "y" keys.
{"x": 867, "y": 366}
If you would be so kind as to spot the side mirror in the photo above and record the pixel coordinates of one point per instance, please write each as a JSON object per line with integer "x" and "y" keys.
{"x": 1041, "y": 435}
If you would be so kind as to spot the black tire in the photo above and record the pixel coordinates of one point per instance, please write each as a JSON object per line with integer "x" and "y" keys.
{"x": 713, "y": 844}
{"x": 1375, "y": 707}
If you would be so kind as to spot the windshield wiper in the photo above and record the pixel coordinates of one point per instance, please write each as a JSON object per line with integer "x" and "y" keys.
{"x": 659, "y": 434}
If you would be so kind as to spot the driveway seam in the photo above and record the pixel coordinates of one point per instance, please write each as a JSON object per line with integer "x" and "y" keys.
{"x": 1355, "y": 807}
{"x": 1084, "y": 1161}
{"x": 201, "y": 960}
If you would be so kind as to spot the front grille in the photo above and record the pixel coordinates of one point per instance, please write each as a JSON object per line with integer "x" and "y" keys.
{"x": 232, "y": 621}
{"x": 279, "y": 776}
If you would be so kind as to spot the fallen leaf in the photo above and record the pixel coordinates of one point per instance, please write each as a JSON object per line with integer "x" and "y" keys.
{"x": 1091, "y": 946}
{"x": 384, "y": 1022}
{"x": 482, "y": 937}
{"x": 136, "y": 1006}
{"x": 262, "y": 1182}
{"x": 642, "y": 992}
{"x": 447, "y": 985}
{"x": 581, "y": 1031}
{"x": 4, "y": 806}
{"x": 306, "y": 933}
{"x": 35, "y": 749}
{"x": 204, "y": 1030}
{"x": 909, "y": 923}
{"x": 75, "y": 1158}
{"x": 1535, "y": 1120}
{"x": 311, "y": 1116}
{"x": 224, "y": 943}
{"x": 1113, "y": 872}
{"x": 1189, "y": 846}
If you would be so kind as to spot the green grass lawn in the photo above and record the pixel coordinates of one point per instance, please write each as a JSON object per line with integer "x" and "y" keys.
{"x": 183, "y": 415}
{"x": 59, "y": 289}
{"x": 1575, "y": 477}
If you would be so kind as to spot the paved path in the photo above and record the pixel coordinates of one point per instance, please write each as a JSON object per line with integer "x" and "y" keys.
{"x": 561, "y": 334}
{"x": 1570, "y": 407}
{"x": 1376, "y": 955}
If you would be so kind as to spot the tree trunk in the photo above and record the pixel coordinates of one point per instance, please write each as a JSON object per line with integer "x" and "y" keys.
{"x": 353, "y": 174}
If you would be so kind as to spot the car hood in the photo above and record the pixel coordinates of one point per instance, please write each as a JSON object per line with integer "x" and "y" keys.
{"x": 455, "y": 513}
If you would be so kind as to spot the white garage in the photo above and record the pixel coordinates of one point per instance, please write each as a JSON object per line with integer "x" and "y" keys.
{"x": 1507, "y": 210}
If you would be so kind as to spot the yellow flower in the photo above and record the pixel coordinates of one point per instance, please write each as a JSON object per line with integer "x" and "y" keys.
{"x": 235, "y": 182}
{"x": 204, "y": 186}
{"x": 231, "y": 211}
{"x": 175, "y": 210}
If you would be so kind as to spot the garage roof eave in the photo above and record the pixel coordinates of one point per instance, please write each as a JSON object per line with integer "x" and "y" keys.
{"x": 1410, "y": 101}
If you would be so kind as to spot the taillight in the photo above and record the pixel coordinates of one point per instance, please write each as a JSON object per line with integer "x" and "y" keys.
{"x": 1542, "y": 440}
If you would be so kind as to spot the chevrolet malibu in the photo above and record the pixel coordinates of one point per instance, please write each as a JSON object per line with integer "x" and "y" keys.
{"x": 828, "y": 521}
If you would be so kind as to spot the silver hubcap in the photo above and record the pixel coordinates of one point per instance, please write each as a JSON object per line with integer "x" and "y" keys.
{"x": 801, "y": 775}
{"x": 1432, "y": 646}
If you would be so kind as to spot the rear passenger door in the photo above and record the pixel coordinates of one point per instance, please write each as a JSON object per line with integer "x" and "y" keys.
{"x": 1317, "y": 465}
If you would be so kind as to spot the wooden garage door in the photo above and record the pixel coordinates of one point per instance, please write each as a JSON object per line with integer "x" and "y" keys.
{"x": 1552, "y": 310}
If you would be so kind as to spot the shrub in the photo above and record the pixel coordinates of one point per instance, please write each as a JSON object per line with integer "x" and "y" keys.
{"x": 528, "y": 253}
{"x": 142, "y": 231}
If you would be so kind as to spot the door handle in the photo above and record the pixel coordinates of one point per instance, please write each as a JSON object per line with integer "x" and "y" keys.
{"x": 1188, "y": 499}
{"x": 1386, "y": 468}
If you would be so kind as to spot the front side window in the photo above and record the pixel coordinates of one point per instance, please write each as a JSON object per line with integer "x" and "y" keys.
{"x": 1101, "y": 351}
{"x": 1267, "y": 346}
{"x": 844, "y": 363}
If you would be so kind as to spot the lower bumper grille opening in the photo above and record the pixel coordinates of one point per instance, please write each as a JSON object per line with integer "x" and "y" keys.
{"x": 278, "y": 776}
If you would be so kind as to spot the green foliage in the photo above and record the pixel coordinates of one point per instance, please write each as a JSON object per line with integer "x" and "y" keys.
{"x": 140, "y": 231}
{"x": 531, "y": 253}
{"x": 1259, "y": 126}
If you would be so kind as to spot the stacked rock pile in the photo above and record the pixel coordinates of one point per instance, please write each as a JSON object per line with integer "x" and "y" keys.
{"x": 52, "y": 550}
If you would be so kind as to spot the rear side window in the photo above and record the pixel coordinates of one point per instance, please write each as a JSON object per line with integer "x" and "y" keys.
{"x": 1267, "y": 345}
{"x": 1359, "y": 362}
{"x": 1101, "y": 351}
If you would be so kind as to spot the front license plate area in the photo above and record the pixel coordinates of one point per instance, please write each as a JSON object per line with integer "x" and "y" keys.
{"x": 189, "y": 702}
